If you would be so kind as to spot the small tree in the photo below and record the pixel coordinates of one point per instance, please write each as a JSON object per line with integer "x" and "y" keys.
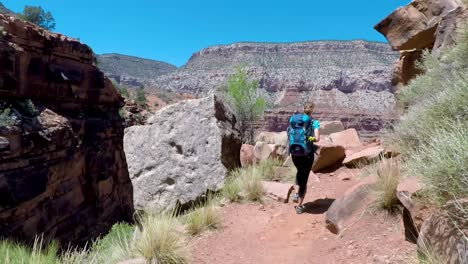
{"x": 37, "y": 15}
{"x": 140, "y": 98}
{"x": 121, "y": 89}
{"x": 248, "y": 104}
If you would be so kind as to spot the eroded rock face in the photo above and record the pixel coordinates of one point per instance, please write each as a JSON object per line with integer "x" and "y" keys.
{"x": 184, "y": 150}
{"x": 62, "y": 170}
{"x": 421, "y": 25}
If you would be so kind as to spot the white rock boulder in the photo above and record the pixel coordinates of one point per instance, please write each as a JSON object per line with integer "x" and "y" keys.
{"x": 183, "y": 151}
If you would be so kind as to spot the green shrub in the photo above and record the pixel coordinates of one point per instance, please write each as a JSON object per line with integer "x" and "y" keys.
{"x": 232, "y": 187}
{"x": 247, "y": 102}
{"x": 6, "y": 118}
{"x": 114, "y": 247}
{"x": 433, "y": 134}
{"x": 203, "y": 217}
{"x": 140, "y": 97}
{"x": 37, "y": 15}
{"x": 15, "y": 253}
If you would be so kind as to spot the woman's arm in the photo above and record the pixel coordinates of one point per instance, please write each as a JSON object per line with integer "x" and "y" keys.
{"x": 317, "y": 134}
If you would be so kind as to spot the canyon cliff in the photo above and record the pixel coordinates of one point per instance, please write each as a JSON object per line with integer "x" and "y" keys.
{"x": 63, "y": 172}
{"x": 348, "y": 80}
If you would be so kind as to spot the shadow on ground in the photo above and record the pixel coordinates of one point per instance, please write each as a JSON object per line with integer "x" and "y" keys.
{"x": 318, "y": 206}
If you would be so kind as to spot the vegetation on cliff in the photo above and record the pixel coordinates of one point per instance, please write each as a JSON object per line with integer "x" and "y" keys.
{"x": 37, "y": 15}
{"x": 433, "y": 134}
{"x": 248, "y": 104}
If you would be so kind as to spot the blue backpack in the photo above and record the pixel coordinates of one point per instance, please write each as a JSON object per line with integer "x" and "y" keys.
{"x": 299, "y": 130}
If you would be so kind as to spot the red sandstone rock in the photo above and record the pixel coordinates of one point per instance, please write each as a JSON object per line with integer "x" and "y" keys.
{"x": 414, "y": 212}
{"x": 247, "y": 157}
{"x": 414, "y": 25}
{"x": 347, "y": 138}
{"x": 63, "y": 172}
{"x": 348, "y": 208}
{"x": 278, "y": 191}
{"x": 364, "y": 156}
{"x": 329, "y": 155}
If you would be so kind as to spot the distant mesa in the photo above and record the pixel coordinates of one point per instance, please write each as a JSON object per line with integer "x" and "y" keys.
{"x": 132, "y": 71}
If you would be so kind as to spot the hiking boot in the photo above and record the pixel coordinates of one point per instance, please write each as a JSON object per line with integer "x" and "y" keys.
{"x": 295, "y": 198}
{"x": 299, "y": 209}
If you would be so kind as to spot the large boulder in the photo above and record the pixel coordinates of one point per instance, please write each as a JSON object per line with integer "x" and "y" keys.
{"x": 328, "y": 155}
{"x": 363, "y": 157}
{"x": 445, "y": 233}
{"x": 348, "y": 208}
{"x": 247, "y": 157}
{"x": 414, "y": 25}
{"x": 329, "y": 127}
{"x": 185, "y": 150}
{"x": 348, "y": 138}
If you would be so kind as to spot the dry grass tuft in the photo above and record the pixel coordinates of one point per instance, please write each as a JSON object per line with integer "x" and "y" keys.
{"x": 203, "y": 217}
{"x": 159, "y": 241}
{"x": 388, "y": 172}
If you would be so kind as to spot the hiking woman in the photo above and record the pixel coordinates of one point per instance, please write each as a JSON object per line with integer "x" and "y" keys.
{"x": 303, "y": 131}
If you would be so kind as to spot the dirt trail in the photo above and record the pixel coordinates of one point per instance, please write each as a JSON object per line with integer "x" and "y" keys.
{"x": 274, "y": 233}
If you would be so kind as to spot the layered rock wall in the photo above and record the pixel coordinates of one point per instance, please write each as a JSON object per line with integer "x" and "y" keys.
{"x": 421, "y": 25}
{"x": 63, "y": 171}
{"x": 346, "y": 77}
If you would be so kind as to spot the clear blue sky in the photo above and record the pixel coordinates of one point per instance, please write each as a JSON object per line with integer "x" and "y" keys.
{"x": 172, "y": 30}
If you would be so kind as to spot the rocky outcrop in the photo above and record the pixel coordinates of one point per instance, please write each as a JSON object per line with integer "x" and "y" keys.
{"x": 63, "y": 172}
{"x": 445, "y": 233}
{"x": 421, "y": 25}
{"x": 185, "y": 150}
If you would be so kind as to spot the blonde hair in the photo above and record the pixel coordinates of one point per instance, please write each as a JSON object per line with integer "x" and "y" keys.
{"x": 309, "y": 108}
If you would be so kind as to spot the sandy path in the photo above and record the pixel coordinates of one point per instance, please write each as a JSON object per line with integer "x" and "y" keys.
{"x": 274, "y": 233}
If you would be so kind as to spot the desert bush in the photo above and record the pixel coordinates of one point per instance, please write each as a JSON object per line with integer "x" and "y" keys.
{"x": 267, "y": 169}
{"x": 140, "y": 97}
{"x": 433, "y": 134}
{"x": 247, "y": 182}
{"x": 16, "y": 253}
{"x": 113, "y": 247}
{"x": 6, "y": 118}
{"x": 251, "y": 184}
{"x": 159, "y": 241}
{"x": 388, "y": 177}
{"x": 203, "y": 217}
{"x": 123, "y": 91}
{"x": 247, "y": 102}
{"x": 232, "y": 187}
{"x": 37, "y": 15}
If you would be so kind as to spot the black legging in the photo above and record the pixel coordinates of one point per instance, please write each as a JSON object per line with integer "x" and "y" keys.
{"x": 303, "y": 165}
